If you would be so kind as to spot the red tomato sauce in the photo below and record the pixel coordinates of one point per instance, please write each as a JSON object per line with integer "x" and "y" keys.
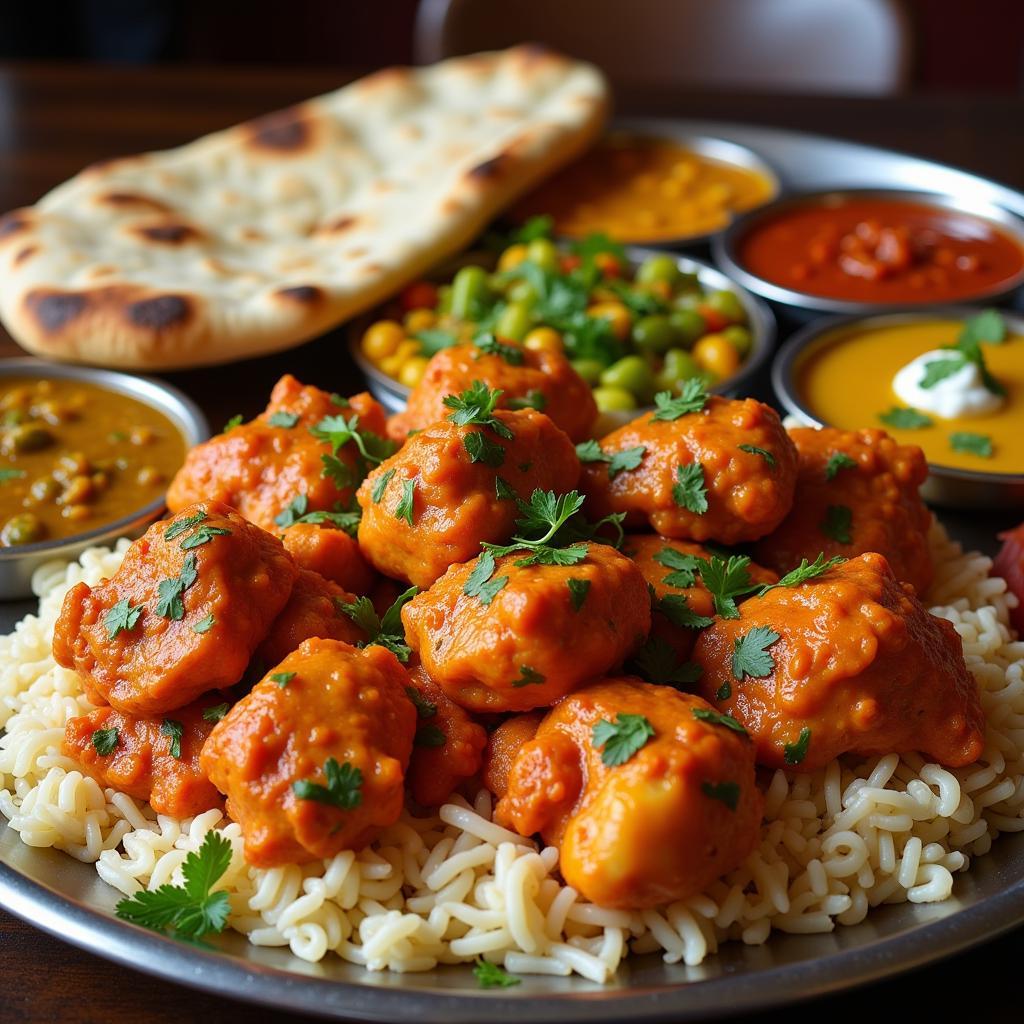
{"x": 881, "y": 250}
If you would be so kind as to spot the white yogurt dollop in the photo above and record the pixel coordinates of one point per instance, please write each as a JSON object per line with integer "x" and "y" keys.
{"x": 961, "y": 394}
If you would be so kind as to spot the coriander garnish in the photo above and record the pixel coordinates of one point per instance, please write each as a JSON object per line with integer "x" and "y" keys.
{"x": 750, "y": 655}
{"x": 618, "y": 741}
{"x": 122, "y": 616}
{"x": 618, "y": 462}
{"x": 380, "y": 485}
{"x": 901, "y": 418}
{"x": 383, "y": 631}
{"x": 215, "y": 712}
{"x": 838, "y": 524}
{"x": 282, "y": 678}
{"x": 794, "y": 753}
{"x": 404, "y": 508}
{"x": 691, "y": 398}
{"x": 971, "y": 444}
{"x": 205, "y": 624}
{"x": 479, "y": 584}
{"x": 578, "y": 590}
{"x": 689, "y": 491}
{"x": 752, "y": 449}
{"x": 343, "y": 789}
{"x": 658, "y": 663}
{"x": 838, "y": 461}
{"x": 528, "y": 677}
{"x": 727, "y": 793}
{"x": 717, "y": 718}
{"x": 284, "y": 419}
{"x": 175, "y": 730}
{"x": 169, "y": 592}
{"x": 105, "y": 741}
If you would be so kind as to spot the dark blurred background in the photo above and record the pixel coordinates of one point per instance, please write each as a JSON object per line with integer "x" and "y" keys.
{"x": 951, "y": 45}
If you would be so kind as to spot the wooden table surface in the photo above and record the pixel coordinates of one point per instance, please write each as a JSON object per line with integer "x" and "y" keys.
{"x": 53, "y": 120}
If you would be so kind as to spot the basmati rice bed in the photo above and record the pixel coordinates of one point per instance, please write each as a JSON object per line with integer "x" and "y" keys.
{"x": 455, "y": 886}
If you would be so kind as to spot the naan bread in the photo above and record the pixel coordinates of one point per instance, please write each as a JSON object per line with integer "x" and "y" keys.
{"x": 256, "y": 238}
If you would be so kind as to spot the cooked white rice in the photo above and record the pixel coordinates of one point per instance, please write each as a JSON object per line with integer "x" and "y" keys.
{"x": 455, "y": 886}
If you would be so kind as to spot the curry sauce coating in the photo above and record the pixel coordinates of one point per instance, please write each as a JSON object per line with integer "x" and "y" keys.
{"x": 880, "y": 491}
{"x": 531, "y": 644}
{"x": 142, "y": 763}
{"x": 683, "y": 810}
{"x": 449, "y": 745}
{"x": 183, "y": 614}
{"x": 336, "y": 704}
{"x": 260, "y": 468}
{"x": 859, "y": 662}
{"x": 747, "y": 493}
{"x": 330, "y": 553}
{"x": 645, "y": 550}
{"x": 313, "y": 610}
{"x": 566, "y": 396}
{"x": 503, "y": 746}
{"x": 456, "y": 502}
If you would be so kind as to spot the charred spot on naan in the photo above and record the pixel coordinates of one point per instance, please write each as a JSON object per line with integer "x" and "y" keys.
{"x": 300, "y": 294}
{"x": 54, "y": 310}
{"x": 287, "y": 131}
{"x": 159, "y": 312}
{"x": 490, "y": 169}
{"x": 168, "y": 234}
{"x": 25, "y": 253}
{"x": 346, "y": 222}
{"x": 13, "y": 223}
{"x": 131, "y": 201}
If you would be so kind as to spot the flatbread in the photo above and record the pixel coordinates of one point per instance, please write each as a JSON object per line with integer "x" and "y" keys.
{"x": 256, "y": 238}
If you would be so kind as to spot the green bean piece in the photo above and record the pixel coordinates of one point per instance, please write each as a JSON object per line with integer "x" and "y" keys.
{"x": 469, "y": 290}
{"x": 514, "y": 322}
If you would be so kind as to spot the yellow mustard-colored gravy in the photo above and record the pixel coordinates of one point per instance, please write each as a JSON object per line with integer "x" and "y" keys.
{"x": 74, "y": 456}
{"x": 845, "y": 380}
{"x": 637, "y": 189}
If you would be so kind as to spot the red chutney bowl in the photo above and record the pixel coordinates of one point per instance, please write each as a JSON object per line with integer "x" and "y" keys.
{"x": 874, "y": 250}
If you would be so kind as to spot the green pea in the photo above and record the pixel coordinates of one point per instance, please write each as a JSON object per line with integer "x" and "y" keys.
{"x": 469, "y": 289}
{"x": 543, "y": 252}
{"x": 679, "y": 365}
{"x": 654, "y": 334}
{"x": 728, "y": 304}
{"x": 514, "y": 322}
{"x": 24, "y": 528}
{"x": 610, "y": 399}
{"x": 658, "y": 268}
{"x": 630, "y": 373}
{"x": 689, "y": 325}
{"x": 739, "y": 337}
{"x": 522, "y": 292}
{"x": 589, "y": 369}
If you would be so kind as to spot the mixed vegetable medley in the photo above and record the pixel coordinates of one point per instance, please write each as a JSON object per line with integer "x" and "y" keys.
{"x": 628, "y": 335}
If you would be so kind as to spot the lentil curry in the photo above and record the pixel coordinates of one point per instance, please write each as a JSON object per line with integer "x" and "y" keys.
{"x": 74, "y": 456}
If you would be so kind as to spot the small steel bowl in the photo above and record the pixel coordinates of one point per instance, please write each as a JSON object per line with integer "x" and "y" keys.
{"x": 945, "y": 485}
{"x": 394, "y": 395}
{"x": 17, "y": 564}
{"x": 726, "y": 246}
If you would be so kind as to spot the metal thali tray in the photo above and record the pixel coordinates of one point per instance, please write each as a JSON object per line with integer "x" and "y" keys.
{"x": 66, "y": 898}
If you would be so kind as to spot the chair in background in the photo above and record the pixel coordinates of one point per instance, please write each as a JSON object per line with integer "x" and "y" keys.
{"x": 817, "y": 46}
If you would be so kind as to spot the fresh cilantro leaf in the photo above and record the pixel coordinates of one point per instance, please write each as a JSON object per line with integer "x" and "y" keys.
{"x": 590, "y": 451}
{"x": 726, "y": 579}
{"x": 528, "y": 677}
{"x": 838, "y": 523}
{"x": 657, "y": 662}
{"x": 385, "y": 631}
{"x": 429, "y": 736}
{"x": 618, "y": 462}
{"x": 370, "y": 449}
{"x": 838, "y": 461}
{"x": 597, "y": 243}
{"x": 122, "y": 615}
{"x": 340, "y": 401}
{"x": 7, "y": 474}
{"x": 900, "y": 418}
{"x": 717, "y": 718}
{"x": 490, "y": 975}
{"x": 282, "y": 678}
{"x": 480, "y": 448}
{"x": 190, "y": 910}
{"x": 343, "y": 789}
{"x": 794, "y": 753}
{"x": 346, "y": 521}
{"x": 105, "y": 741}
{"x": 936, "y": 370}
{"x": 215, "y": 713}
{"x": 677, "y": 610}
{"x": 202, "y": 536}
{"x": 540, "y": 226}
{"x": 971, "y": 444}
{"x": 235, "y": 421}
{"x": 183, "y": 525}
{"x": 488, "y": 343}
{"x": 689, "y": 491}
{"x": 480, "y": 583}
{"x": 533, "y": 399}
{"x": 292, "y": 512}
{"x": 804, "y": 572}
{"x": 752, "y": 449}
{"x": 424, "y": 708}
{"x": 750, "y": 655}
{"x": 283, "y": 419}
{"x": 691, "y": 398}
{"x": 724, "y": 692}
{"x": 727, "y": 793}
{"x": 503, "y": 490}
{"x": 474, "y": 405}
{"x": 205, "y": 624}
{"x": 380, "y": 485}
{"x": 572, "y": 555}
{"x": 434, "y": 340}
{"x": 618, "y": 741}
{"x": 987, "y": 326}
{"x": 175, "y": 730}
{"x": 684, "y": 567}
{"x": 169, "y": 592}
{"x": 404, "y": 508}
{"x": 340, "y": 473}
{"x": 578, "y": 590}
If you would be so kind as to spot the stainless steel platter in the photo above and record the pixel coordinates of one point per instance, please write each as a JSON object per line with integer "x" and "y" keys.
{"x": 66, "y": 898}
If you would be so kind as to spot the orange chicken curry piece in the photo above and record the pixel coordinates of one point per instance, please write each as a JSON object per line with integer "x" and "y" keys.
{"x": 545, "y": 381}
{"x": 849, "y": 662}
{"x": 330, "y": 553}
{"x": 648, "y": 793}
{"x": 856, "y": 491}
{"x": 724, "y": 471}
{"x": 313, "y": 759}
{"x": 182, "y": 615}
{"x": 534, "y": 633}
{"x": 451, "y": 487}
